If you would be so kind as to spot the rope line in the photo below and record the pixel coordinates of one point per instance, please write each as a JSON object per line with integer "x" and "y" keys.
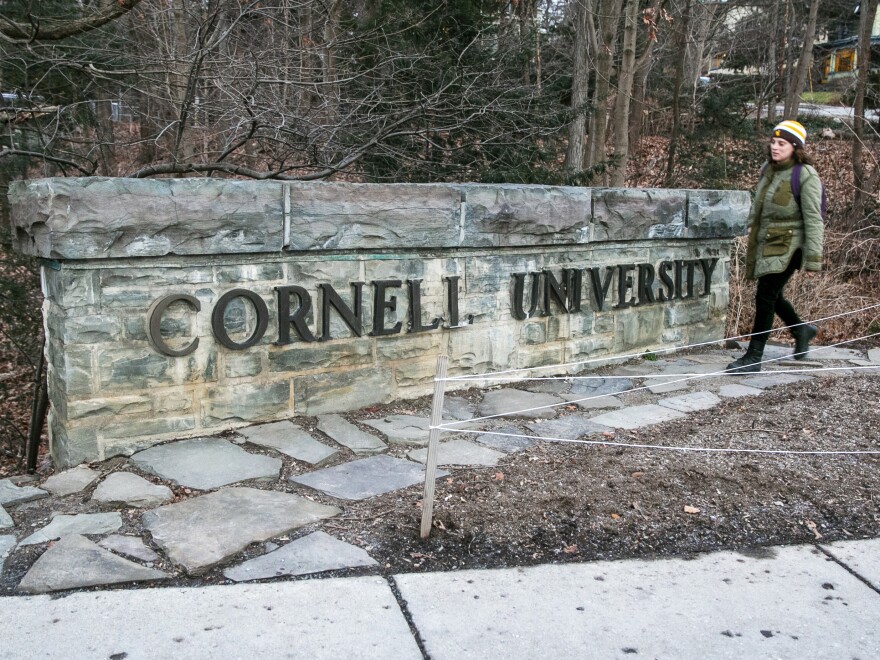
{"x": 670, "y": 382}
{"x": 659, "y": 351}
{"x": 717, "y": 450}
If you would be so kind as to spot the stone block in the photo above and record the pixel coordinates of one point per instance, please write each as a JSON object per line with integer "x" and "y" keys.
{"x": 541, "y": 356}
{"x": 686, "y": 312}
{"x": 109, "y": 406}
{"x": 533, "y": 332}
{"x": 248, "y": 402}
{"x": 639, "y": 326}
{"x": 72, "y": 368}
{"x": 243, "y": 273}
{"x": 303, "y": 356}
{"x": 717, "y": 213}
{"x": 326, "y": 216}
{"x": 117, "y": 300}
{"x": 492, "y": 273}
{"x": 514, "y": 215}
{"x": 156, "y": 277}
{"x": 70, "y": 287}
{"x": 415, "y": 376}
{"x": 629, "y": 214}
{"x": 340, "y": 391}
{"x": 242, "y": 364}
{"x": 71, "y": 445}
{"x": 130, "y": 369}
{"x": 85, "y": 329}
{"x": 118, "y": 433}
{"x": 408, "y": 347}
{"x": 100, "y": 218}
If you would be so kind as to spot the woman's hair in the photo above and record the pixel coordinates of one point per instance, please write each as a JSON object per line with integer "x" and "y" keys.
{"x": 800, "y": 156}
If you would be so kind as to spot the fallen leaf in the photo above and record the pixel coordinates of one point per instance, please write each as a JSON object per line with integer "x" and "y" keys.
{"x": 637, "y": 475}
{"x": 499, "y": 476}
{"x": 570, "y": 549}
{"x": 615, "y": 516}
{"x": 812, "y": 527}
{"x": 608, "y": 434}
{"x": 690, "y": 509}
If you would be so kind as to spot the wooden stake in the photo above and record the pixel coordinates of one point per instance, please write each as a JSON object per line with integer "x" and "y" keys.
{"x": 433, "y": 438}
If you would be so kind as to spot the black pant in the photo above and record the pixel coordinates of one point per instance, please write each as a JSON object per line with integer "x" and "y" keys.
{"x": 769, "y": 300}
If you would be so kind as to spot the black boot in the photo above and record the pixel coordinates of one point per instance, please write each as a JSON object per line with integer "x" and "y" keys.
{"x": 750, "y": 362}
{"x": 803, "y": 335}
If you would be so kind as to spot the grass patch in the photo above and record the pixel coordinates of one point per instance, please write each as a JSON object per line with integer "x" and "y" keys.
{"x": 822, "y": 98}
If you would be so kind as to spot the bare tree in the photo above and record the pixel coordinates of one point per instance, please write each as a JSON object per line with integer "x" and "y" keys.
{"x": 793, "y": 99}
{"x": 865, "y": 184}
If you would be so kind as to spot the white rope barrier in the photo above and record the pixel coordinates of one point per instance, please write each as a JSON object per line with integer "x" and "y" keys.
{"x": 635, "y": 445}
{"x": 714, "y": 374}
{"x": 659, "y": 351}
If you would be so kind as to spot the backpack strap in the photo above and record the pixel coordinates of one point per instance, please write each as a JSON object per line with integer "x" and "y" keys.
{"x": 796, "y": 182}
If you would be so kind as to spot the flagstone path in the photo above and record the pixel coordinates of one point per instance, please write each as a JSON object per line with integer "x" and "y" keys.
{"x": 246, "y": 504}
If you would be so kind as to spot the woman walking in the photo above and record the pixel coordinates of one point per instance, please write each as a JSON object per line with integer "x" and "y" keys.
{"x": 785, "y": 234}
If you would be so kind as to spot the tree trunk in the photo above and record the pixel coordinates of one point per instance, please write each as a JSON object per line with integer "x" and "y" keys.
{"x": 772, "y": 64}
{"x": 624, "y": 93}
{"x": 580, "y": 79}
{"x": 866, "y": 22}
{"x": 609, "y": 17}
{"x": 676, "y": 91}
{"x": 106, "y": 143}
{"x": 793, "y": 100}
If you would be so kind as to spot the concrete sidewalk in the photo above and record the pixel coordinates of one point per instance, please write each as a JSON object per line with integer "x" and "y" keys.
{"x": 786, "y": 602}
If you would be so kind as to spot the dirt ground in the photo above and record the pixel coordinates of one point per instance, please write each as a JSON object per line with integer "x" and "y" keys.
{"x": 559, "y": 502}
{"x": 564, "y": 502}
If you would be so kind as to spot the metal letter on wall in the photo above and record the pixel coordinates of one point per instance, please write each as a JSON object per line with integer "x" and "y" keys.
{"x": 220, "y": 329}
{"x": 154, "y": 324}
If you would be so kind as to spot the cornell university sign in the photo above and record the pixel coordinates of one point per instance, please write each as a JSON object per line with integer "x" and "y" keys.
{"x": 183, "y": 307}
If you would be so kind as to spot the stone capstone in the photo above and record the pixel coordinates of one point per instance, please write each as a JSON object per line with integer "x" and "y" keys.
{"x": 205, "y": 463}
{"x": 75, "y": 562}
{"x": 314, "y": 553}
{"x": 80, "y": 523}
{"x": 459, "y": 452}
{"x": 291, "y": 440}
{"x": 10, "y": 494}
{"x": 71, "y": 481}
{"x": 129, "y": 489}
{"x": 202, "y": 532}
{"x": 366, "y": 477}
{"x": 349, "y": 435}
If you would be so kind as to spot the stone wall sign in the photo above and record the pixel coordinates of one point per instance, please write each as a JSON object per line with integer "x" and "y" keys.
{"x": 182, "y": 307}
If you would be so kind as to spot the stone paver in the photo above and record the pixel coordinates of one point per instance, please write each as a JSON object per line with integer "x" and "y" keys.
{"x": 600, "y": 402}
{"x": 668, "y": 384}
{"x": 11, "y": 494}
{"x": 862, "y": 557}
{"x": 591, "y": 386}
{"x": 130, "y": 546}
{"x": 71, "y": 481}
{"x": 694, "y": 369}
{"x": 130, "y": 489}
{"x": 5, "y": 519}
{"x": 366, "y": 477}
{"x": 80, "y": 523}
{"x": 457, "y": 408}
{"x": 459, "y": 452}
{"x": 314, "y": 553}
{"x": 794, "y": 604}
{"x": 505, "y": 443}
{"x": 834, "y": 353}
{"x": 349, "y": 435}
{"x": 735, "y": 390}
{"x": 874, "y": 355}
{"x": 550, "y": 386}
{"x": 711, "y": 358}
{"x": 403, "y": 429}
{"x": 644, "y": 369}
{"x": 568, "y": 427}
{"x": 204, "y": 531}
{"x": 205, "y": 463}
{"x": 635, "y": 417}
{"x": 7, "y": 543}
{"x": 291, "y": 440}
{"x": 770, "y": 379}
{"x": 75, "y": 562}
{"x": 692, "y": 402}
{"x": 511, "y": 402}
